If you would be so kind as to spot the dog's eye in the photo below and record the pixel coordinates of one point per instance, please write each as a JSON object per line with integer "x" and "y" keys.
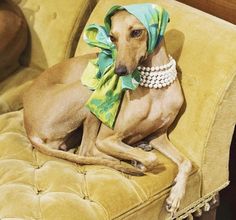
{"x": 136, "y": 33}
{"x": 112, "y": 38}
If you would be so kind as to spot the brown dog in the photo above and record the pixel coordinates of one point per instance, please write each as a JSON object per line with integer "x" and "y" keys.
{"x": 13, "y": 37}
{"x": 54, "y": 107}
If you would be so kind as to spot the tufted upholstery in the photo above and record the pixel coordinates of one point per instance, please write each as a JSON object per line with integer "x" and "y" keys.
{"x": 53, "y": 38}
{"x": 35, "y": 186}
{"x": 207, "y": 71}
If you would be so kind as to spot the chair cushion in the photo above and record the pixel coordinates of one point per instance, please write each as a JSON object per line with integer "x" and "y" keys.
{"x": 207, "y": 72}
{"x": 55, "y": 28}
{"x": 12, "y": 88}
{"x": 36, "y": 186}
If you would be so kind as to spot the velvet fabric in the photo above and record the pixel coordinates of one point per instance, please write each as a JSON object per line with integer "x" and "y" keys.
{"x": 54, "y": 31}
{"x": 207, "y": 69}
{"x": 35, "y": 186}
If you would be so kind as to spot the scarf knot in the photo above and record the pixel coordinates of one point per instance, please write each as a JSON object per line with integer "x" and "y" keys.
{"x": 99, "y": 74}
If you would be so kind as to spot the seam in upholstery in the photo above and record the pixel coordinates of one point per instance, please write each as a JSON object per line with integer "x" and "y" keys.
{"x": 19, "y": 184}
{"x": 40, "y": 208}
{"x": 76, "y": 30}
{"x": 142, "y": 205}
{"x": 151, "y": 199}
{"x": 131, "y": 184}
{"x": 212, "y": 120}
{"x": 102, "y": 207}
{"x": 35, "y": 156}
{"x": 154, "y": 199}
{"x": 84, "y": 186}
{"x": 10, "y": 159}
{"x": 36, "y": 185}
{"x": 140, "y": 188}
{"x": 86, "y": 193}
{"x": 87, "y": 196}
{"x": 25, "y": 161}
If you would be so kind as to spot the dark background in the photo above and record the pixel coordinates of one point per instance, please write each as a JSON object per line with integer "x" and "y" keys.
{"x": 227, "y": 208}
{"x": 225, "y": 9}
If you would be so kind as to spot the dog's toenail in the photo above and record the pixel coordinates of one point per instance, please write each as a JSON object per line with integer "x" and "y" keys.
{"x": 134, "y": 163}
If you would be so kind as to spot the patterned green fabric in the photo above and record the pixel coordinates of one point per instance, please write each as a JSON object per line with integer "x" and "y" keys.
{"x": 99, "y": 74}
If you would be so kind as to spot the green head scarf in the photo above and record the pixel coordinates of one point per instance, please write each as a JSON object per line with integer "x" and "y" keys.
{"x": 99, "y": 74}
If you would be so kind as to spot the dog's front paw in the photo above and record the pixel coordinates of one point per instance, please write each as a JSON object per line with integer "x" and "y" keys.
{"x": 176, "y": 194}
{"x": 138, "y": 165}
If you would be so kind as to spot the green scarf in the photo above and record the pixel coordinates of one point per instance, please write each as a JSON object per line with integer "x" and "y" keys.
{"x": 99, "y": 74}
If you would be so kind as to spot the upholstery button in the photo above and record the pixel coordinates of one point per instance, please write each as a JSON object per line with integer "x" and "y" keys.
{"x": 84, "y": 172}
{"x": 38, "y": 167}
{"x": 37, "y": 8}
{"x": 54, "y": 15}
{"x": 39, "y": 191}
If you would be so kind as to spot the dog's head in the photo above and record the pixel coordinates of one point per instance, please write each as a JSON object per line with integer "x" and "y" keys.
{"x": 130, "y": 38}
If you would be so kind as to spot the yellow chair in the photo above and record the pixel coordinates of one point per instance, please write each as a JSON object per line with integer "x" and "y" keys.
{"x": 55, "y": 27}
{"x": 35, "y": 186}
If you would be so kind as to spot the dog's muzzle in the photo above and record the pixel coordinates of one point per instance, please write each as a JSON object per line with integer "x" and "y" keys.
{"x": 121, "y": 70}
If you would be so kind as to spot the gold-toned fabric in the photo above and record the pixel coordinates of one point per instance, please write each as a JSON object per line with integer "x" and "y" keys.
{"x": 35, "y": 186}
{"x": 54, "y": 29}
{"x": 12, "y": 88}
{"x": 207, "y": 69}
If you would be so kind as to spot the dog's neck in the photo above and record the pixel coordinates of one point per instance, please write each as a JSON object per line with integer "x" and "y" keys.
{"x": 158, "y": 76}
{"x": 158, "y": 57}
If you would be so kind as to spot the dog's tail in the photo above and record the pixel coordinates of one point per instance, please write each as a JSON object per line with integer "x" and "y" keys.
{"x": 44, "y": 148}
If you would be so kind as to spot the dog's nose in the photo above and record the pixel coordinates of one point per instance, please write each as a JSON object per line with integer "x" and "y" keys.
{"x": 121, "y": 70}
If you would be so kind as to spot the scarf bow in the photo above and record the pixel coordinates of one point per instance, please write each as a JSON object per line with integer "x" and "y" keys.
{"x": 99, "y": 74}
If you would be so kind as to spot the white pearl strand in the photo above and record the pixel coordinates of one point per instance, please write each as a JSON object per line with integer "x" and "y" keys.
{"x": 159, "y": 76}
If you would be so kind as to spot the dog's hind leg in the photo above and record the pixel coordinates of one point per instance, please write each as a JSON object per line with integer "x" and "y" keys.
{"x": 163, "y": 144}
{"x": 88, "y": 147}
{"x": 90, "y": 130}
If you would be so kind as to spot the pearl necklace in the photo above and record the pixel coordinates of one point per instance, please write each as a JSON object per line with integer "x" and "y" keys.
{"x": 159, "y": 76}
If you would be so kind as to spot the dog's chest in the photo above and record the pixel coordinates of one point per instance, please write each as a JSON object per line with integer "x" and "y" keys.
{"x": 143, "y": 112}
